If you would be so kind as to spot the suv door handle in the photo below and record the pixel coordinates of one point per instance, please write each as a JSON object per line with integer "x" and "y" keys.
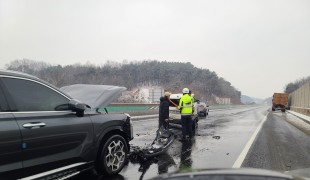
{"x": 34, "y": 125}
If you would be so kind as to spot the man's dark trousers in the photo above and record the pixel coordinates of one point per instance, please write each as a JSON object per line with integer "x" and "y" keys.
{"x": 186, "y": 125}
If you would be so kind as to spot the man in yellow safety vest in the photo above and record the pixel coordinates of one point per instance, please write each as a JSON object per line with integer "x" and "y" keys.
{"x": 186, "y": 107}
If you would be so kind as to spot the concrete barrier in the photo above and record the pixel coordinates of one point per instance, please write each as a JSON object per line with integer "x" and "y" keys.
{"x": 301, "y": 110}
{"x": 139, "y": 111}
{"x": 144, "y": 117}
{"x": 134, "y": 109}
{"x": 299, "y": 100}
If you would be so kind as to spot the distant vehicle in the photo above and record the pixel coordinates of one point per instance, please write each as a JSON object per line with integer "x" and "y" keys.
{"x": 175, "y": 115}
{"x": 203, "y": 109}
{"x": 46, "y": 133}
{"x": 279, "y": 101}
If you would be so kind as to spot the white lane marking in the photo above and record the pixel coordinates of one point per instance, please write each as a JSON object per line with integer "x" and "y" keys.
{"x": 247, "y": 147}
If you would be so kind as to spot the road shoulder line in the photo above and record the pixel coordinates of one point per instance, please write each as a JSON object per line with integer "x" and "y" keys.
{"x": 247, "y": 147}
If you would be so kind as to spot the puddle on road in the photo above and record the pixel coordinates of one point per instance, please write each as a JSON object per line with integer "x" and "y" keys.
{"x": 178, "y": 157}
{"x": 181, "y": 155}
{"x": 144, "y": 169}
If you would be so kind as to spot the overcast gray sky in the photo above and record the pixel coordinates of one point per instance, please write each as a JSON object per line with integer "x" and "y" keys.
{"x": 257, "y": 45}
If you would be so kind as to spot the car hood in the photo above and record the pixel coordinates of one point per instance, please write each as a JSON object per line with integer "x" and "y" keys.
{"x": 242, "y": 173}
{"x": 300, "y": 172}
{"x": 96, "y": 96}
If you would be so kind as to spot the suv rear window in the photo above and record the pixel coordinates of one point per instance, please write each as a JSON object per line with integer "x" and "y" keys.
{"x": 176, "y": 101}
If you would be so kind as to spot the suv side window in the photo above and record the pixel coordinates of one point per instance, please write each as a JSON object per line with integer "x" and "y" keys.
{"x": 3, "y": 103}
{"x": 28, "y": 95}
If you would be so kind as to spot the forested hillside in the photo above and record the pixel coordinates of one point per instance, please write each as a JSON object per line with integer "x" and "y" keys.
{"x": 291, "y": 87}
{"x": 172, "y": 76}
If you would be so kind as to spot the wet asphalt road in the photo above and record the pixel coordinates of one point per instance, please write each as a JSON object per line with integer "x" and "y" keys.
{"x": 282, "y": 145}
{"x": 220, "y": 139}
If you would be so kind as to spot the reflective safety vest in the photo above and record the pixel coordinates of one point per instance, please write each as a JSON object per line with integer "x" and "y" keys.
{"x": 193, "y": 99}
{"x": 186, "y": 104}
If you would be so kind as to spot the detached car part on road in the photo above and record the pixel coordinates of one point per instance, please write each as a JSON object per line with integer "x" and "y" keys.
{"x": 50, "y": 133}
{"x": 162, "y": 142}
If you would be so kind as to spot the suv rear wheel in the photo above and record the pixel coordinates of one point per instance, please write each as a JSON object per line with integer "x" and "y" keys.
{"x": 113, "y": 155}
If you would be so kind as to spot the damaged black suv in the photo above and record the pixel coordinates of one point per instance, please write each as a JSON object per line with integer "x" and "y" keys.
{"x": 50, "y": 133}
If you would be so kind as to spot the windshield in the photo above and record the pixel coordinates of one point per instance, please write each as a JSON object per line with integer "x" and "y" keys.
{"x": 244, "y": 65}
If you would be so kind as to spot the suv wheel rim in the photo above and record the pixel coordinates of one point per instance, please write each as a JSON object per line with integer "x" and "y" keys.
{"x": 116, "y": 155}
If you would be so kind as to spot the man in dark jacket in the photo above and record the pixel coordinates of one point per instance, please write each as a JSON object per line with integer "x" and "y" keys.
{"x": 164, "y": 110}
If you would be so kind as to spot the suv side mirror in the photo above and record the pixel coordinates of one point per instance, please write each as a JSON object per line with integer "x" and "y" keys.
{"x": 78, "y": 107}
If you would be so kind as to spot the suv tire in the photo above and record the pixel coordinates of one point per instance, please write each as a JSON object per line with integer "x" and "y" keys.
{"x": 113, "y": 156}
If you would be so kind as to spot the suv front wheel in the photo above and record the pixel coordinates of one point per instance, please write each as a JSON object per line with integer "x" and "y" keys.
{"x": 114, "y": 154}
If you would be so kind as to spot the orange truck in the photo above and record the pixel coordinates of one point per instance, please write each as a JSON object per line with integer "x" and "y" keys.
{"x": 280, "y": 101}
